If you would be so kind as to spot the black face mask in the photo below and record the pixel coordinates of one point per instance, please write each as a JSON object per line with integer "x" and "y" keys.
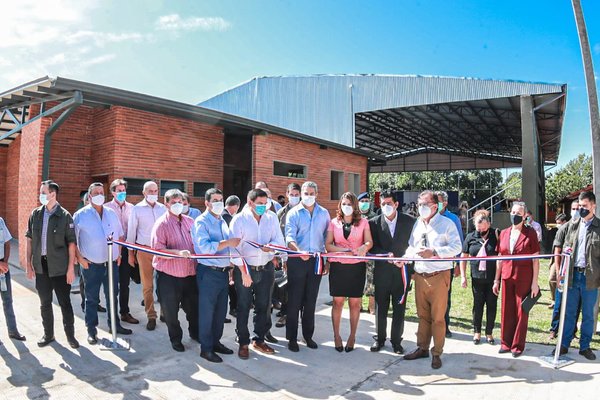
{"x": 516, "y": 219}
{"x": 484, "y": 233}
{"x": 583, "y": 212}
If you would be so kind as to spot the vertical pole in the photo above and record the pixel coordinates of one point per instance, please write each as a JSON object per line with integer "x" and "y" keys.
{"x": 111, "y": 279}
{"x": 566, "y": 262}
{"x": 530, "y": 158}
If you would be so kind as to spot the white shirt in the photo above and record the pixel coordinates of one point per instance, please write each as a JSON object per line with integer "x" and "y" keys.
{"x": 391, "y": 224}
{"x": 5, "y": 237}
{"x": 442, "y": 236}
{"x": 580, "y": 260}
{"x": 141, "y": 221}
{"x": 514, "y": 236}
{"x": 267, "y": 231}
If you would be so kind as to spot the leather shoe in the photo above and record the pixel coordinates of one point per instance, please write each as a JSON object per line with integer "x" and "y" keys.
{"x": 129, "y": 319}
{"x": 243, "y": 352}
{"x": 151, "y": 325}
{"x": 211, "y": 356}
{"x": 588, "y": 353}
{"x": 398, "y": 349}
{"x": 418, "y": 353}
{"x": 436, "y": 362}
{"x": 101, "y": 309}
{"x": 16, "y": 336}
{"x": 375, "y": 347}
{"x": 227, "y": 320}
{"x": 293, "y": 346}
{"x": 73, "y": 342}
{"x": 563, "y": 350}
{"x": 281, "y": 322}
{"x": 45, "y": 341}
{"x": 311, "y": 344}
{"x": 178, "y": 347}
{"x": 516, "y": 354}
{"x": 503, "y": 350}
{"x": 448, "y": 333}
{"x": 263, "y": 347}
{"x": 221, "y": 348}
{"x": 92, "y": 339}
{"x": 121, "y": 331}
{"x": 270, "y": 338}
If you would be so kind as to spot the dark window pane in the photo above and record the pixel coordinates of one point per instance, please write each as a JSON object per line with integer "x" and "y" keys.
{"x": 200, "y": 188}
{"x": 289, "y": 170}
{"x": 167, "y": 185}
{"x": 135, "y": 186}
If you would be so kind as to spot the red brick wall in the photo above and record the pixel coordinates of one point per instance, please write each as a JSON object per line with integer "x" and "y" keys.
{"x": 3, "y": 158}
{"x": 319, "y": 162}
{"x": 11, "y": 213}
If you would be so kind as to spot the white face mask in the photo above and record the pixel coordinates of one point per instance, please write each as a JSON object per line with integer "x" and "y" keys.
{"x": 387, "y": 210}
{"x": 186, "y": 209}
{"x": 177, "y": 208}
{"x": 218, "y": 207}
{"x": 308, "y": 200}
{"x": 152, "y": 198}
{"x": 294, "y": 200}
{"x": 98, "y": 199}
{"x": 574, "y": 213}
{"x": 347, "y": 210}
{"x": 44, "y": 199}
{"x": 425, "y": 211}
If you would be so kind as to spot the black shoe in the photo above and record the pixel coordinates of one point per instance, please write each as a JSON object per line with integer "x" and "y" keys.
{"x": 563, "y": 350}
{"x": 503, "y": 350}
{"x": 227, "y": 320}
{"x": 233, "y": 313}
{"x": 221, "y": 348}
{"x": 101, "y": 309}
{"x": 448, "y": 333}
{"x": 121, "y": 331}
{"x": 45, "y": 341}
{"x": 161, "y": 317}
{"x": 588, "y": 353}
{"x": 151, "y": 325}
{"x": 178, "y": 347}
{"x": 281, "y": 321}
{"x": 293, "y": 346}
{"x": 375, "y": 347}
{"x": 17, "y": 336}
{"x": 92, "y": 339}
{"x": 348, "y": 349}
{"x": 73, "y": 342}
{"x": 270, "y": 338}
{"x": 398, "y": 349}
{"x": 211, "y": 356}
{"x": 311, "y": 344}
{"x": 517, "y": 354}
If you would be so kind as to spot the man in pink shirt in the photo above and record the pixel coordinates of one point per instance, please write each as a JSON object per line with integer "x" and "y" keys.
{"x": 119, "y": 204}
{"x": 176, "y": 276}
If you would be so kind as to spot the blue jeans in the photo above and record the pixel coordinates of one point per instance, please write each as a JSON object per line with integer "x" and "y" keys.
{"x": 7, "y": 303}
{"x": 95, "y": 276}
{"x": 556, "y": 312}
{"x": 577, "y": 293}
{"x": 213, "y": 287}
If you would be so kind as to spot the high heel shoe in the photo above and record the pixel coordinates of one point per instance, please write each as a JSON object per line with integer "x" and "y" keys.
{"x": 339, "y": 348}
{"x": 349, "y": 348}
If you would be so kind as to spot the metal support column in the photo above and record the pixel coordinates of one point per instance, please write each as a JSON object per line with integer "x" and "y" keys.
{"x": 530, "y": 188}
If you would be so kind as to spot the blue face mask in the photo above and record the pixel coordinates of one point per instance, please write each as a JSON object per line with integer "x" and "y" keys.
{"x": 121, "y": 196}
{"x": 261, "y": 209}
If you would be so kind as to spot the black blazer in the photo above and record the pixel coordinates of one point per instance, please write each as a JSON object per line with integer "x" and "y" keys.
{"x": 383, "y": 242}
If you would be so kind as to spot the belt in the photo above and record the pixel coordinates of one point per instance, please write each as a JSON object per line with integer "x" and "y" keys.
{"x": 258, "y": 268}
{"x": 579, "y": 269}
{"x": 220, "y": 269}
{"x": 430, "y": 274}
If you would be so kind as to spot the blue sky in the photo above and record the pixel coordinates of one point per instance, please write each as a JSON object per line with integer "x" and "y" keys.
{"x": 192, "y": 50}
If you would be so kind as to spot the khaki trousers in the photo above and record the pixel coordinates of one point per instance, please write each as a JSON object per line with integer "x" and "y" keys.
{"x": 431, "y": 296}
{"x": 147, "y": 277}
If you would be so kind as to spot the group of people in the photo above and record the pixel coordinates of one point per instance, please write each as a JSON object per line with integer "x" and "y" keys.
{"x": 238, "y": 261}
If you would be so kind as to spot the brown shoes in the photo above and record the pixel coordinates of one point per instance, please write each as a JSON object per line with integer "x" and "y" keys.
{"x": 243, "y": 352}
{"x": 129, "y": 319}
{"x": 418, "y": 353}
{"x": 436, "y": 362}
{"x": 263, "y": 348}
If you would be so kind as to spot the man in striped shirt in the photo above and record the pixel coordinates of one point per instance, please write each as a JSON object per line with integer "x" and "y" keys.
{"x": 176, "y": 276}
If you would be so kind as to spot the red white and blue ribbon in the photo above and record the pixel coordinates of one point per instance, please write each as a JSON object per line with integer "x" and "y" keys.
{"x": 166, "y": 254}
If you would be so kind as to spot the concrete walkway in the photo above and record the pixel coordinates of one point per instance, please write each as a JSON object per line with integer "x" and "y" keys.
{"x": 152, "y": 370}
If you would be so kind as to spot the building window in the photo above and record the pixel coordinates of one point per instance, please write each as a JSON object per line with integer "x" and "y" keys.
{"x": 337, "y": 184}
{"x": 289, "y": 170}
{"x": 135, "y": 186}
{"x": 200, "y": 188}
{"x": 168, "y": 185}
{"x": 354, "y": 183}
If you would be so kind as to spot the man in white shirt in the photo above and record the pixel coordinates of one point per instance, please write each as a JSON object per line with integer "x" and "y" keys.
{"x": 139, "y": 228}
{"x": 433, "y": 236}
{"x": 535, "y": 225}
{"x": 257, "y": 224}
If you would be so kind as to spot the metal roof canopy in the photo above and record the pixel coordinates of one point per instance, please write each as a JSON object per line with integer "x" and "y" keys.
{"x": 414, "y": 123}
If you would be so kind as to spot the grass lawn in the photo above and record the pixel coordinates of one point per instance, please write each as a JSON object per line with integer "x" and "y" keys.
{"x": 462, "y": 303}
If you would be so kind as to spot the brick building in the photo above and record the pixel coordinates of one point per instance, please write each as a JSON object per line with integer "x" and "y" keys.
{"x": 105, "y": 133}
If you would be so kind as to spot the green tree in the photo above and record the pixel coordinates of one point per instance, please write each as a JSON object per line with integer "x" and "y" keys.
{"x": 575, "y": 175}
{"x": 512, "y": 186}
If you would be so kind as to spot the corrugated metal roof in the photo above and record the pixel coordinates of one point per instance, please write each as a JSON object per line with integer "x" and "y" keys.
{"x": 323, "y": 106}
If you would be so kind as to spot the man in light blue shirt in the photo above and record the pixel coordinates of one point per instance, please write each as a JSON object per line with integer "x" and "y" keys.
{"x": 305, "y": 230}
{"x": 94, "y": 223}
{"x": 211, "y": 236}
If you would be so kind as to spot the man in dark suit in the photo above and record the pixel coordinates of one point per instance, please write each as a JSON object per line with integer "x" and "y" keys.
{"x": 391, "y": 231}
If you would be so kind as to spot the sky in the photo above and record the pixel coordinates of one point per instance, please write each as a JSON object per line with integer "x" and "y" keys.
{"x": 192, "y": 50}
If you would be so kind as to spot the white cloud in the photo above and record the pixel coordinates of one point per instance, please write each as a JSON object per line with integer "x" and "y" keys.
{"x": 597, "y": 48}
{"x": 174, "y": 22}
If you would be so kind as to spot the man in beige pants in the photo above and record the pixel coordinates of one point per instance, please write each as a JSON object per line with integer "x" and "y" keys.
{"x": 141, "y": 220}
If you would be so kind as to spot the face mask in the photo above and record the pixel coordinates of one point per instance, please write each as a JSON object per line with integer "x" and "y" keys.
{"x": 528, "y": 220}
{"x": 583, "y": 212}
{"x": 44, "y": 199}
{"x": 186, "y": 209}
{"x": 308, "y": 200}
{"x": 269, "y": 203}
{"x": 387, "y": 210}
{"x": 121, "y": 196}
{"x": 152, "y": 198}
{"x": 347, "y": 210}
{"x": 177, "y": 208}
{"x": 294, "y": 200}
{"x": 364, "y": 206}
{"x": 217, "y": 208}
{"x": 98, "y": 199}
{"x": 575, "y": 213}
{"x": 440, "y": 206}
{"x": 483, "y": 233}
{"x": 516, "y": 219}
{"x": 424, "y": 211}
{"x": 261, "y": 209}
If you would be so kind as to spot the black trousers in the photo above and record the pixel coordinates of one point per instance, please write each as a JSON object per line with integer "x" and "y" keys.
{"x": 389, "y": 286}
{"x": 45, "y": 285}
{"x": 232, "y": 297}
{"x": 303, "y": 289}
{"x": 483, "y": 297}
{"x": 124, "y": 278}
{"x": 173, "y": 292}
